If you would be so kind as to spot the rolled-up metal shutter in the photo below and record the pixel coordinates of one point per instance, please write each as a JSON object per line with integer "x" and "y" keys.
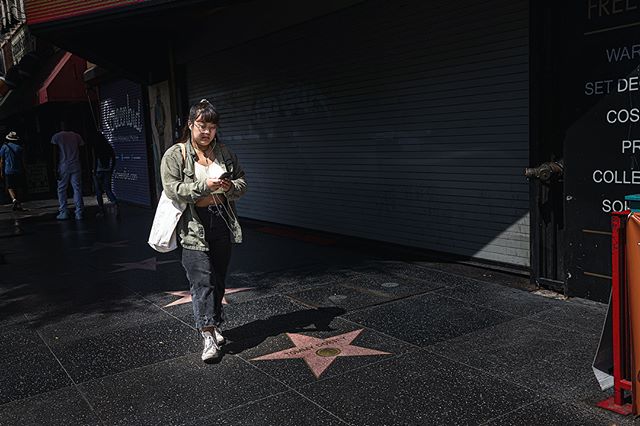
{"x": 403, "y": 121}
{"x": 122, "y": 122}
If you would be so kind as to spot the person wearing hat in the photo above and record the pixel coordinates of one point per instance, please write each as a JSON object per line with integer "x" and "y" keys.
{"x": 11, "y": 167}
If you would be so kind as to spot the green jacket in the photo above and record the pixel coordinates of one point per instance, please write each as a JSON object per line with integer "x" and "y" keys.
{"x": 179, "y": 183}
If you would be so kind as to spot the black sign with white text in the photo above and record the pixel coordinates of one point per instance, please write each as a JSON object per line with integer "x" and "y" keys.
{"x": 602, "y": 140}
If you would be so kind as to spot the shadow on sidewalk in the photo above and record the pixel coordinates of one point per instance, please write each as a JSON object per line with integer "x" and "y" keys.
{"x": 47, "y": 305}
{"x": 250, "y": 335}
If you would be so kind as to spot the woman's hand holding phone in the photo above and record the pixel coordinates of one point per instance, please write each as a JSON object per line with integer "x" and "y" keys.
{"x": 214, "y": 184}
{"x": 223, "y": 181}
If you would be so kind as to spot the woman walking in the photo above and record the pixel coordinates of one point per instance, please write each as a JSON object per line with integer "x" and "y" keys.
{"x": 204, "y": 173}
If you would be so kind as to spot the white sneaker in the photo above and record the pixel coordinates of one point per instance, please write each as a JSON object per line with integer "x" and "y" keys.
{"x": 211, "y": 350}
{"x": 220, "y": 340}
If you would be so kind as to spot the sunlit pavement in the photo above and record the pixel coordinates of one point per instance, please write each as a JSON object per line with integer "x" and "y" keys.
{"x": 97, "y": 328}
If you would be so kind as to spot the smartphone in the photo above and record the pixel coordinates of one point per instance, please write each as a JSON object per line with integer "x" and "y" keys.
{"x": 225, "y": 175}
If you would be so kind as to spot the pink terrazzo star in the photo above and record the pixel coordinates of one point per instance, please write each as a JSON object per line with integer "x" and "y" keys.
{"x": 320, "y": 353}
{"x": 149, "y": 264}
{"x": 185, "y": 296}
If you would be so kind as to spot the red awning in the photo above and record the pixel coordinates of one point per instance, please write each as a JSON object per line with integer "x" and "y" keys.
{"x": 65, "y": 83}
{"x": 39, "y": 11}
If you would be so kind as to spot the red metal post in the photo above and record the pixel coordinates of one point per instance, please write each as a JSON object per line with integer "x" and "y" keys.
{"x": 620, "y": 317}
{"x": 618, "y": 393}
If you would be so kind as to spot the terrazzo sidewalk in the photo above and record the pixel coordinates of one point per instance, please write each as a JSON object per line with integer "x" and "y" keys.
{"x": 96, "y": 329}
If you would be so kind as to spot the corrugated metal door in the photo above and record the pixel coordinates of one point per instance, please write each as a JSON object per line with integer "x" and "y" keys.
{"x": 122, "y": 123}
{"x": 399, "y": 121}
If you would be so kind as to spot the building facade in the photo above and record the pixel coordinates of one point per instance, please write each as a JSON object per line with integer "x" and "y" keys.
{"x": 40, "y": 85}
{"x": 402, "y": 122}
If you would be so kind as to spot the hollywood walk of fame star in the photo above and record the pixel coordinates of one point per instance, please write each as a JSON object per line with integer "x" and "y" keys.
{"x": 320, "y": 353}
{"x": 99, "y": 245}
{"x": 185, "y": 296}
{"x": 149, "y": 264}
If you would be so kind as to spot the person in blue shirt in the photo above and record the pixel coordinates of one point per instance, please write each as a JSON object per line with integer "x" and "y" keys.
{"x": 12, "y": 167}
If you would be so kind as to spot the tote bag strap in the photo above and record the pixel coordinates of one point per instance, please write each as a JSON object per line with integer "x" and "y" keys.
{"x": 183, "y": 148}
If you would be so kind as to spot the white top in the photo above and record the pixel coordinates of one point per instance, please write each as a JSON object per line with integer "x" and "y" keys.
{"x": 213, "y": 171}
{"x": 69, "y": 143}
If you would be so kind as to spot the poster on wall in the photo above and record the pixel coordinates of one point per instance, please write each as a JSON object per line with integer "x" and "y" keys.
{"x": 160, "y": 113}
{"x": 122, "y": 123}
{"x": 37, "y": 178}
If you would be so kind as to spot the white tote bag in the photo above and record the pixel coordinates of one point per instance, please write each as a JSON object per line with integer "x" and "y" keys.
{"x": 163, "y": 237}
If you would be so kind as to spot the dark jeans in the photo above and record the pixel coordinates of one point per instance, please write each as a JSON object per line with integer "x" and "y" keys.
{"x": 206, "y": 271}
{"x": 102, "y": 183}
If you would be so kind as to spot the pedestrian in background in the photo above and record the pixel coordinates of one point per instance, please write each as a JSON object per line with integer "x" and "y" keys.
{"x": 12, "y": 168}
{"x": 209, "y": 179}
{"x": 104, "y": 162}
{"x": 67, "y": 160}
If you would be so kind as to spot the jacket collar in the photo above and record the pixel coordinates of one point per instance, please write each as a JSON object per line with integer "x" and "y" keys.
{"x": 192, "y": 151}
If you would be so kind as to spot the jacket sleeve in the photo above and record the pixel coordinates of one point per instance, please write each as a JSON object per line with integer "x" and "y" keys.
{"x": 238, "y": 183}
{"x": 171, "y": 171}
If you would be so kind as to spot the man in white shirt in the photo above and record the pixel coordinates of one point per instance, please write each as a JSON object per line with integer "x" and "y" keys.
{"x": 67, "y": 158}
